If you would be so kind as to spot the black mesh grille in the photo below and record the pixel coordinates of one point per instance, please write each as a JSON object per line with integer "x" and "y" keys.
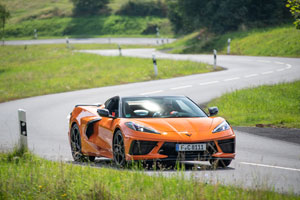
{"x": 227, "y": 146}
{"x": 141, "y": 147}
{"x": 169, "y": 149}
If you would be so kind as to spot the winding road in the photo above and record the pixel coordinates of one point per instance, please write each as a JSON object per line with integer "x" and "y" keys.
{"x": 260, "y": 162}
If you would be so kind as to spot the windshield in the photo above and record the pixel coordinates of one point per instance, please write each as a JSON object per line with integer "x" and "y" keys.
{"x": 160, "y": 107}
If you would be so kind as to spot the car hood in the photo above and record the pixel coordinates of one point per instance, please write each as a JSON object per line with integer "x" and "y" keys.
{"x": 181, "y": 125}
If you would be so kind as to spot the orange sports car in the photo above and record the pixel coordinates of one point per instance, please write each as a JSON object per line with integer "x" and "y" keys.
{"x": 152, "y": 128}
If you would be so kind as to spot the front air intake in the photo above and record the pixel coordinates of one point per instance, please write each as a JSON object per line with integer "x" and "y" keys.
{"x": 141, "y": 147}
{"x": 227, "y": 146}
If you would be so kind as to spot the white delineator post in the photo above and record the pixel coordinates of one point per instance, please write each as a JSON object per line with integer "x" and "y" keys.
{"x": 215, "y": 59}
{"x": 120, "y": 50}
{"x": 228, "y": 47}
{"x": 23, "y": 129}
{"x": 157, "y": 35}
{"x": 154, "y": 64}
{"x": 68, "y": 42}
{"x": 35, "y": 34}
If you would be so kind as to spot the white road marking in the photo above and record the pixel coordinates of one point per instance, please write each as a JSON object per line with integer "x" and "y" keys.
{"x": 288, "y": 66}
{"x": 153, "y": 92}
{"x": 264, "y": 61}
{"x": 279, "y": 63}
{"x": 280, "y": 70}
{"x": 181, "y": 87}
{"x": 232, "y": 79}
{"x": 208, "y": 83}
{"x": 250, "y": 75}
{"x": 268, "y": 72}
{"x": 270, "y": 166}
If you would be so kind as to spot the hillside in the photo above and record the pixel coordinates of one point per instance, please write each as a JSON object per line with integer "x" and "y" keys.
{"x": 54, "y": 18}
{"x": 273, "y": 41}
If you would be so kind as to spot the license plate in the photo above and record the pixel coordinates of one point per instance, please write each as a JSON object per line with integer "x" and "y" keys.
{"x": 191, "y": 147}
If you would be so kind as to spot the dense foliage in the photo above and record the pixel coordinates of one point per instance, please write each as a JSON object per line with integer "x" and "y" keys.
{"x": 221, "y": 16}
{"x": 143, "y": 8}
{"x": 89, "y": 7}
{"x": 294, "y": 6}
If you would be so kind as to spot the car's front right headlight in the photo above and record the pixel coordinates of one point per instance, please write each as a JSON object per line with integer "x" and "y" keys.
{"x": 221, "y": 127}
{"x": 140, "y": 128}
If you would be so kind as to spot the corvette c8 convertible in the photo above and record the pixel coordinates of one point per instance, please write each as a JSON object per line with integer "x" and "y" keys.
{"x": 152, "y": 128}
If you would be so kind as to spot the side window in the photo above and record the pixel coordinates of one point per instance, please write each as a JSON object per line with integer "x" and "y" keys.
{"x": 113, "y": 106}
{"x": 184, "y": 107}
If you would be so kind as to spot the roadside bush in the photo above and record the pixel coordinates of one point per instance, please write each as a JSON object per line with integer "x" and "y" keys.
{"x": 143, "y": 8}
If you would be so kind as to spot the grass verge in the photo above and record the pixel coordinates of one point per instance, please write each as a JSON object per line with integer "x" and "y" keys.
{"x": 33, "y": 70}
{"x": 271, "y": 106}
{"x": 89, "y": 26}
{"x": 275, "y": 41}
{"x": 26, "y": 176}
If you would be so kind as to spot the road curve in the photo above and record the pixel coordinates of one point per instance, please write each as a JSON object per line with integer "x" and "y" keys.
{"x": 133, "y": 41}
{"x": 259, "y": 162}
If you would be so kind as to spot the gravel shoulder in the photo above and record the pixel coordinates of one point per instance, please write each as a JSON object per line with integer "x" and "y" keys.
{"x": 283, "y": 134}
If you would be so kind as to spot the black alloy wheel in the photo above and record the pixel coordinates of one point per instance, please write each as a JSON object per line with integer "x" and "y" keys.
{"x": 215, "y": 163}
{"x": 76, "y": 146}
{"x": 119, "y": 150}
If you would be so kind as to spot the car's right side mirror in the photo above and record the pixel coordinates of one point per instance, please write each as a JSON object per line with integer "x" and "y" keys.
{"x": 213, "y": 111}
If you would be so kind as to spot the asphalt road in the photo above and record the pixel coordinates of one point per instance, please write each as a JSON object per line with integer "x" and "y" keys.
{"x": 260, "y": 162}
{"x": 140, "y": 41}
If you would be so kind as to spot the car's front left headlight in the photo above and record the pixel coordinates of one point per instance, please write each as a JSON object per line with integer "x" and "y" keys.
{"x": 221, "y": 127}
{"x": 140, "y": 128}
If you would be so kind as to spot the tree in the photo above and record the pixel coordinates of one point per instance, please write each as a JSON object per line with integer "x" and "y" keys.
{"x": 4, "y": 15}
{"x": 89, "y": 7}
{"x": 225, "y": 15}
{"x": 294, "y": 6}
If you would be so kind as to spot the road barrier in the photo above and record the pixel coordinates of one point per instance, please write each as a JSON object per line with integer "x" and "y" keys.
{"x": 23, "y": 129}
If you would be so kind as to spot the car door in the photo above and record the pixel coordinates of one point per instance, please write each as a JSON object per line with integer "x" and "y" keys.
{"x": 107, "y": 124}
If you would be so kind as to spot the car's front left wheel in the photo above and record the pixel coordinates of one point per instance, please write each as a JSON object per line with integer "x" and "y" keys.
{"x": 215, "y": 163}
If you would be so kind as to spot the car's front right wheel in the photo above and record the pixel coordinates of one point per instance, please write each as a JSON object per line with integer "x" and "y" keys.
{"x": 119, "y": 149}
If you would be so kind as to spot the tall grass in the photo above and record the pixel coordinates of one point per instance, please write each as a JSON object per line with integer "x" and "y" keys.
{"x": 30, "y": 177}
{"x": 273, "y": 106}
{"x": 42, "y": 69}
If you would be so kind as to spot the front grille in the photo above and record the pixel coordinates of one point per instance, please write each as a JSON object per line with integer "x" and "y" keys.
{"x": 141, "y": 147}
{"x": 169, "y": 149}
{"x": 227, "y": 146}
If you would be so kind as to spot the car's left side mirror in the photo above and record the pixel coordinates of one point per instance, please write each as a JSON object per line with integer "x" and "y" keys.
{"x": 213, "y": 111}
{"x": 103, "y": 112}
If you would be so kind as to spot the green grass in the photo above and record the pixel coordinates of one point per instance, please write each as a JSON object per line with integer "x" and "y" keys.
{"x": 41, "y": 9}
{"x": 27, "y": 71}
{"x": 87, "y": 26}
{"x": 54, "y": 18}
{"x": 275, "y": 41}
{"x": 274, "y": 106}
{"x": 25, "y": 176}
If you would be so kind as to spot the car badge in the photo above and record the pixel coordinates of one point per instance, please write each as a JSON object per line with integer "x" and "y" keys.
{"x": 188, "y": 134}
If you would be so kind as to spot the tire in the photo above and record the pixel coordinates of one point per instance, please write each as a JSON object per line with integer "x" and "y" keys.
{"x": 91, "y": 158}
{"x": 119, "y": 150}
{"x": 76, "y": 146}
{"x": 215, "y": 163}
